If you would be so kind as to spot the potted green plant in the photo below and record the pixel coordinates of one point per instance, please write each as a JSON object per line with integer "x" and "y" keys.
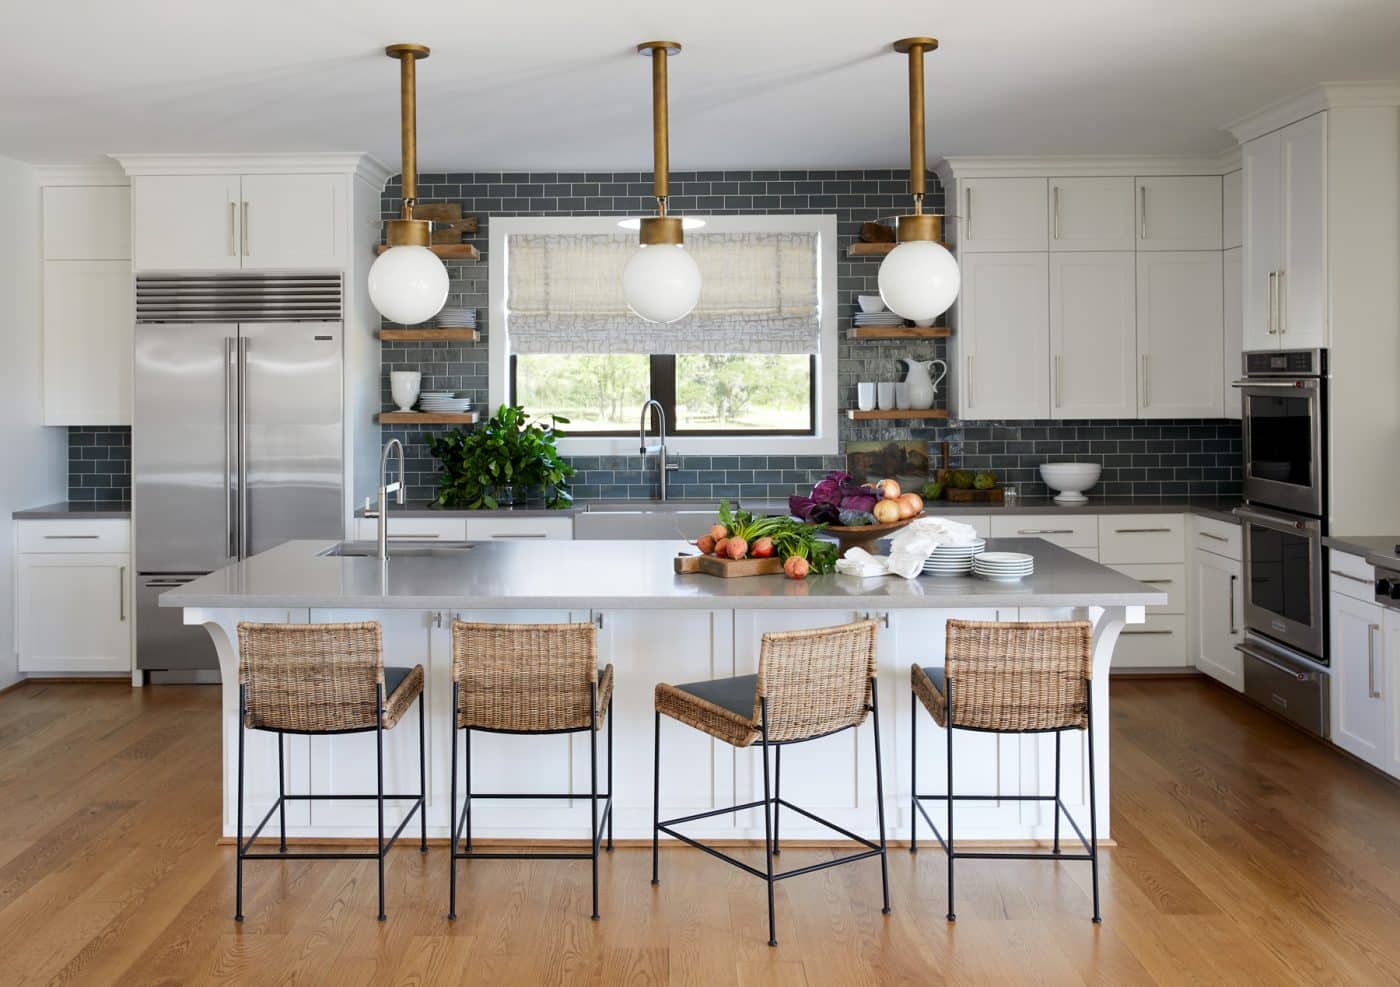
{"x": 506, "y": 455}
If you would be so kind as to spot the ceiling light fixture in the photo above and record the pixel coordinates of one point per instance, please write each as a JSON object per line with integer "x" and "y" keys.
{"x": 919, "y": 278}
{"x": 408, "y": 282}
{"x": 661, "y": 281}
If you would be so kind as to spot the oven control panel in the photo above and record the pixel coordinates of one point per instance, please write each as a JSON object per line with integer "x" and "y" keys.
{"x": 1285, "y": 363}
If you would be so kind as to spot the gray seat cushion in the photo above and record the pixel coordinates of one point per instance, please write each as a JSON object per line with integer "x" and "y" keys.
{"x": 735, "y": 694}
{"x": 393, "y": 678}
{"x": 935, "y": 674}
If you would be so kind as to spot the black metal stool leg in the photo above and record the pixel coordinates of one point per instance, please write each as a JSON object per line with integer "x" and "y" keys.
{"x": 777, "y": 795}
{"x": 379, "y": 759}
{"x": 610, "y": 776}
{"x": 467, "y": 770}
{"x": 1093, "y": 808}
{"x": 880, "y": 795}
{"x": 656, "y": 805}
{"x": 767, "y": 827}
{"x": 452, "y": 816}
{"x": 913, "y": 772}
{"x": 948, "y": 686}
{"x": 593, "y": 833}
{"x": 422, "y": 778}
{"x": 238, "y": 836}
{"x": 1057, "y": 791}
{"x": 281, "y": 794}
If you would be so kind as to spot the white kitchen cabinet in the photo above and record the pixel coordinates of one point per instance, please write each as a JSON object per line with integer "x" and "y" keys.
{"x": 1232, "y": 315}
{"x": 1002, "y": 214}
{"x": 1091, "y": 214}
{"x": 1127, "y": 538}
{"x": 87, "y": 324}
{"x": 487, "y": 528}
{"x": 1218, "y": 609}
{"x": 1169, "y": 578}
{"x": 1179, "y": 212}
{"x": 1093, "y": 338}
{"x": 1158, "y": 643}
{"x": 73, "y": 612}
{"x": 1285, "y": 237}
{"x": 445, "y": 528}
{"x": 1179, "y": 301}
{"x": 1002, "y": 346}
{"x": 1232, "y": 209}
{"x": 1390, "y": 638}
{"x": 1361, "y": 713}
{"x": 185, "y": 222}
{"x": 1064, "y": 529}
{"x": 87, "y": 222}
{"x": 293, "y": 222}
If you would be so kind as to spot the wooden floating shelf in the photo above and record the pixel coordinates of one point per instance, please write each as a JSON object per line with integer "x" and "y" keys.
{"x": 862, "y": 249}
{"x": 447, "y": 251}
{"x": 900, "y": 332}
{"x": 428, "y": 418}
{"x": 423, "y": 335}
{"x": 895, "y": 414}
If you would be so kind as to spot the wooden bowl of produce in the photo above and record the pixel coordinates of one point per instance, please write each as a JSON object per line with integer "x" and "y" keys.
{"x": 880, "y": 509}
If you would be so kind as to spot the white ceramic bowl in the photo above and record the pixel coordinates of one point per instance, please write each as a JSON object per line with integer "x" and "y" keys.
{"x": 1071, "y": 479}
{"x": 870, "y": 303}
{"x": 404, "y": 386}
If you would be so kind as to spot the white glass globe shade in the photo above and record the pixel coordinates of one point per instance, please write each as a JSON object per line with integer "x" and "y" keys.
{"x": 661, "y": 282}
{"x": 919, "y": 280}
{"x": 408, "y": 285}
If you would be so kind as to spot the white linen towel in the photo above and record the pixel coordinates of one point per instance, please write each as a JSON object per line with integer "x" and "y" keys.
{"x": 909, "y": 548}
{"x": 859, "y": 562}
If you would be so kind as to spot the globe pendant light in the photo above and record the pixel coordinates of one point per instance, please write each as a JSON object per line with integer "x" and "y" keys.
{"x": 919, "y": 278}
{"x": 408, "y": 282}
{"x": 661, "y": 281}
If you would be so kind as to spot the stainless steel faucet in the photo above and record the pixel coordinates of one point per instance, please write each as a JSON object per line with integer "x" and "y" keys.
{"x": 385, "y": 489}
{"x": 665, "y": 467}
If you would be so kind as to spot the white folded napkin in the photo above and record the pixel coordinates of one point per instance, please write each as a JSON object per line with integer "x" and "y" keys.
{"x": 859, "y": 562}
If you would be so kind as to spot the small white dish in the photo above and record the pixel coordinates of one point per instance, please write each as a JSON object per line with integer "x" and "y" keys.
{"x": 870, "y": 303}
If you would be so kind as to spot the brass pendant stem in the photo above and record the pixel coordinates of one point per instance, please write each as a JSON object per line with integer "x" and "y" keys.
{"x": 408, "y": 56}
{"x": 660, "y": 126}
{"x": 916, "y": 123}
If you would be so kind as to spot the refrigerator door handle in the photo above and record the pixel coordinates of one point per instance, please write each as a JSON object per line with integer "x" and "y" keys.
{"x": 242, "y": 447}
{"x": 230, "y": 422}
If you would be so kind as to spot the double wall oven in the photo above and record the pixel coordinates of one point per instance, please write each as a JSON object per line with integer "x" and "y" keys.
{"x": 1284, "y": 401}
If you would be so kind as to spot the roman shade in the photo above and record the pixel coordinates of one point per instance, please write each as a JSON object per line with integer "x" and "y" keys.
{"x": 760, "y": 294}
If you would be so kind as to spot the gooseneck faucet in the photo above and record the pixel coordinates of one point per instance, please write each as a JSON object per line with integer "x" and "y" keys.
{"x": 659, "y": 413}
{"x": 385, "y": 489}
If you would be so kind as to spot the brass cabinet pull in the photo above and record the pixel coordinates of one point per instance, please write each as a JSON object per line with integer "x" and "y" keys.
{"x": 521, "y": 534}
{"x": 1156, "y": 582}
{"x": 1347, "y": 575}
{"x": 1142, "y": 209}
{"x": 71, "y": 537}
{"x": 1371, "y": 630}
{"x": 1212, "y": 537}
{"x": 1233, "y": 580}
{"x": 1044, "y": 531}
{"x": 1144, "y": 633}
{"x": 233, "y": 229}
{"x": 1281, "y": 294}
{"x": 1055, "y": 197}
{"x": 967, "y": 214}
{"x": 1269, "y": 314}
{"x": 121, "y": 593}
{"x": 1146, "y": 380}
{"x": 246, "y": 241}
{"x": 1141, "y": 531}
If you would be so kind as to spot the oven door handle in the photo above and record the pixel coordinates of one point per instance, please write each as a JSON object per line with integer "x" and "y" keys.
{"x": 1308, "y": 526}
{"x": 1249, "y": 652}
{"x": 1290, "y": 385}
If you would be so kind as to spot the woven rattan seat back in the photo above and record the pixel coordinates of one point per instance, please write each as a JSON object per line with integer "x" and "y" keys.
{"x": 818, "y": 681}
{"x": 311, "y": 678}
{"x": 527, "y": 678}
{"x": 1019, "y": 677}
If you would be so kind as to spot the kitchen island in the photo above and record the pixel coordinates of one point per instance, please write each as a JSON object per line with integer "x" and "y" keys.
{"x": 654, "y": 626}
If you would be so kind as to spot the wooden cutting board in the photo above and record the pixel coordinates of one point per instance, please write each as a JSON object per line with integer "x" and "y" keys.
{"x": 958, "y": 496}
{"x": 727, "y": 568}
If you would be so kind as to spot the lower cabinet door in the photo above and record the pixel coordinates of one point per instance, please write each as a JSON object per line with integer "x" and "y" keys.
{"x": 1219, "y": 596}
{"x": 1158, "y": 643}
{"x": 73, "y": 613}
{"x": 1361, "y": 718}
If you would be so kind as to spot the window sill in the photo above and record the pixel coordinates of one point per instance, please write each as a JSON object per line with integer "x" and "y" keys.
{"x": 715, "y": 445}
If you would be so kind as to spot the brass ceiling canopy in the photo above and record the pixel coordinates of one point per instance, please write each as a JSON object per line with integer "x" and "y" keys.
{"x": 407, "y": 231}
{"x": 918, "y": 226}
{"x": 660, "y": 228}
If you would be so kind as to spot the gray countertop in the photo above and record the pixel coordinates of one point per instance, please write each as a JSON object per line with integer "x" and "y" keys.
{"x": 635, "y": 575}
{"x": 1375, "y": 549}
{"x": 74, "y": 510}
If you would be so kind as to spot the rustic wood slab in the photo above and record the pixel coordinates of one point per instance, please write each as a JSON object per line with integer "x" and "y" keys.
{"x": 727, "y": 568}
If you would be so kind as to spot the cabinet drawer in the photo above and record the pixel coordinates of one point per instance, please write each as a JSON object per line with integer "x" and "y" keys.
{"x": 1158, "y": 643}
{"x": 1220, "y": 537}
{"x": 1170, "y": 578}
{"x": 520, "y": 527}
{"x": 1142, "y": 538}
{"x": 68, "y": 537}
{"x": 1351, "y": 576}
{"x": 1075, "y": 531}
{"x": 416, "y": 528}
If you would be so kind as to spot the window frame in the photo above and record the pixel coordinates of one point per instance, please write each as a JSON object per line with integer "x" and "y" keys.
{"x": 824, "y": 438}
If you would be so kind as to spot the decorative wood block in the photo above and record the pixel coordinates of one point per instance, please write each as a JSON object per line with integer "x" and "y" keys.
{"x": 862, "y": 249}
{"x": 959, "y": 495}
{"x": 447, "y": 219}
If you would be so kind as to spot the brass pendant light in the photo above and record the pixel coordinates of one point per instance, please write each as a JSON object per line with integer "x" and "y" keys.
{"x": 408, "y": 283}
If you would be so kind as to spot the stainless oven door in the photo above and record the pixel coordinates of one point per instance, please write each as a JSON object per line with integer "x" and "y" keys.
{"x": 1283, "y": 586}
{"x": 1283, "y": 437}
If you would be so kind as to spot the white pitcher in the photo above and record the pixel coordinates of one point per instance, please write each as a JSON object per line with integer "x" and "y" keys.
{"x": 922, "y": 389}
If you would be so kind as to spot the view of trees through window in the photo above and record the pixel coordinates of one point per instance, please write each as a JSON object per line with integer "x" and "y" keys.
{"x": 702, "y": 392}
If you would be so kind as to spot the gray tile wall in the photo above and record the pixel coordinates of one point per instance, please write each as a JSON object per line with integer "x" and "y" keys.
{"x": 99, "y": 463}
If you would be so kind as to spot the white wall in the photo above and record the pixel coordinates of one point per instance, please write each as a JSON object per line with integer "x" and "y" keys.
{"x": 33, "y": 459}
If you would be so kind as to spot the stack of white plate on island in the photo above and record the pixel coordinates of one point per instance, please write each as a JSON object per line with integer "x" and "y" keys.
{"x": 441, "y": 401}
{"x": 953, "y": 560}
{"x": 1003, "y": 567}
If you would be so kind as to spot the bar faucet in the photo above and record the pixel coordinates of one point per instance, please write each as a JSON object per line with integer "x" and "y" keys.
{"x": 665, "y": 467}
{"x": 385, "y": 489}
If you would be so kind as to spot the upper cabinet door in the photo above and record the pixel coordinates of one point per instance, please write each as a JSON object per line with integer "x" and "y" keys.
{"x": 1234, "y": 327}
{"x": 1093, "y": 341}
{"x": 1179, "y": 213}
{"x": 1003, "y": 337}
{"x": 1232, "y": 189}
{"x": 1179, "y": 302}
{"x": 1002, "y": 214}
{"x": 293, "y": 222}
{"x": 87, "y": 342}
{"x": 1091, "y": 214}
{"x": 1262, "y": 175}
{"x": 1302, "y": 285}
{"x": 87, "y": 223}
{"x": 185, "y": 222}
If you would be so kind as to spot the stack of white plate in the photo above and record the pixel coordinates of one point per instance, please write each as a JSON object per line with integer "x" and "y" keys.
{"x": 457, "y": 318}
{"x": 878, "y": 319}
{"x": 1003, "y": 567}
{"x": 953, "y": 560}
{"x": 441, "y": 401}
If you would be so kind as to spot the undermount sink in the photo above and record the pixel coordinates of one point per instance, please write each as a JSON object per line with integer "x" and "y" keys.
{"x": 397, "y": 550}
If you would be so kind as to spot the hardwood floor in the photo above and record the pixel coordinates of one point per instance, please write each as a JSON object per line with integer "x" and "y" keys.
{"x": 1246, "y": 853}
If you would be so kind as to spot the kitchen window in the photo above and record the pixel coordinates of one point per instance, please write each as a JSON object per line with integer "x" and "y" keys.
{"x": 753, "y": 368}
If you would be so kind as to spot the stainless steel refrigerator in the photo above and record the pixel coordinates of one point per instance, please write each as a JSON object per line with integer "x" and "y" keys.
{"x": 237, "y": 435}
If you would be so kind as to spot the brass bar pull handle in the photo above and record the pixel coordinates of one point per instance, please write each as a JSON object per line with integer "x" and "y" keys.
{"x": 121, "y": 593}
{"x": 72, "y": 537}
{"x": 1269, "y": 310}
{"x": 232, "y": 228}
{"x": 246, "y": 239}
{"x": 1347, "y": 575}
{"x": 521, "y": 534}
{"x": 1233, "y": 579}
{"x": 1371, "y": 630}
{"x": 1141, "y": 531}
{"x": 1157, "y": 582}
{"x": 967, "y": 214}
{"x": 1212, "y": 537}
{"x": 405, "y": 537}
{"x": 1055, "y": 198}
{"x": 1146, "y": 633}
{"x": 1142, "y": 212}
{"x": 1044, "y": 531}
{"x": 1281, "y": 293}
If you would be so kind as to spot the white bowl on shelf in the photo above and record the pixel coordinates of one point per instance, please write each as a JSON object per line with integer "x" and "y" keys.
{"x": 1071, "y": 479}
{"x": 870, "y": 303}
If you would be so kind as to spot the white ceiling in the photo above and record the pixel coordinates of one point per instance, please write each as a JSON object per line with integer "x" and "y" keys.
{"x": 554, "y": 85}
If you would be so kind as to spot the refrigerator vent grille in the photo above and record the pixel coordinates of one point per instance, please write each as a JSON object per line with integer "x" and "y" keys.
{"x": 238, "y": 298}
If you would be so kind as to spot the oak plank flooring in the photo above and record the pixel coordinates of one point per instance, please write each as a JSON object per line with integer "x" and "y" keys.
{"x": 1246, "y": 852}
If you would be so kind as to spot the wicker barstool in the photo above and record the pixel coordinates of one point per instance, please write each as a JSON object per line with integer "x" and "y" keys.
{"x": 809, "y": 684}
{"x": 323, "y": 679}
{"x": 532, "y": 679}
{"x": 1031, "y": 677}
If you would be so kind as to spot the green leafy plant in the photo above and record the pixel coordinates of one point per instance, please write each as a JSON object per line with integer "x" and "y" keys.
{"x": 508, "y": 449}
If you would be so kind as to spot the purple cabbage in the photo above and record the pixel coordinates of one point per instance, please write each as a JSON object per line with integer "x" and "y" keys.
{"x": 824, "y": 514}
{"x": 861, "y": 502}
{"x": 801, "y": 507}
{"x": 828, "y": 491}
